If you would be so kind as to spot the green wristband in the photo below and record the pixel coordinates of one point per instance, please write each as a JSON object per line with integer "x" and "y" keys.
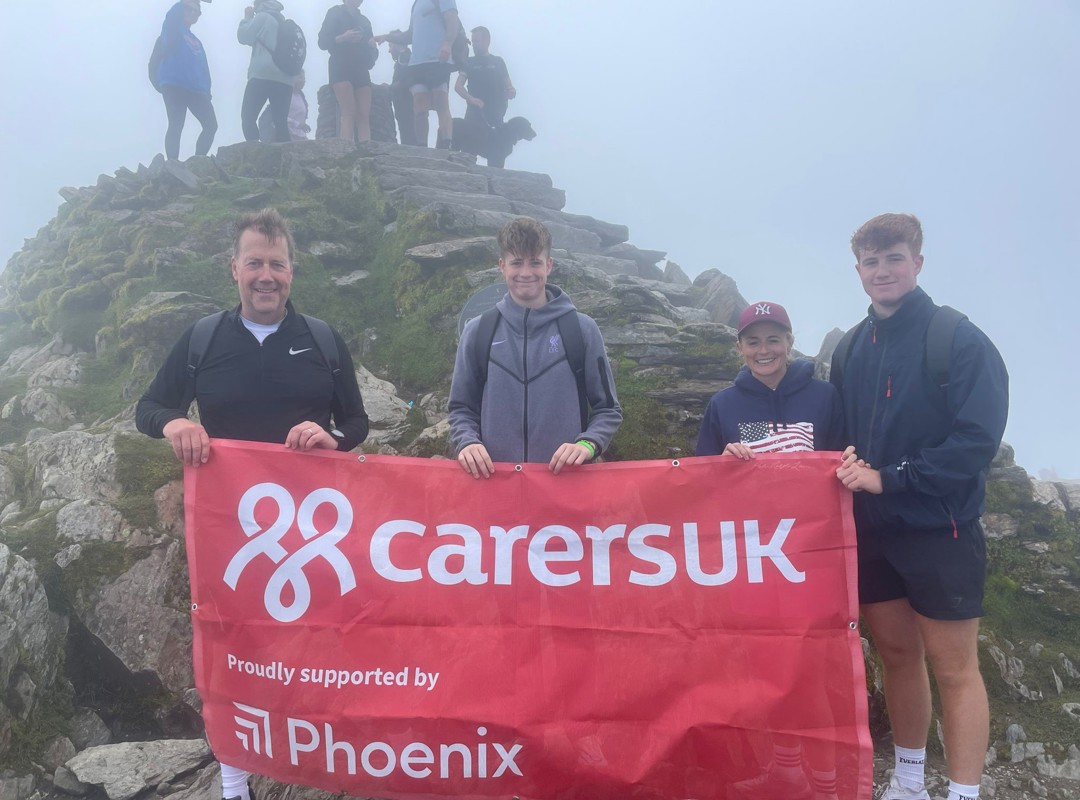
{"x": 590, "y": 445}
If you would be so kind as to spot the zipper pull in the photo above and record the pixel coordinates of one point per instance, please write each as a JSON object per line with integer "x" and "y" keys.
{"x": 888, "y": 388}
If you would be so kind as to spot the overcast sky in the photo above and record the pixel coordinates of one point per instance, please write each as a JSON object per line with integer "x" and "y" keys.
{"x": 752, "y": 136}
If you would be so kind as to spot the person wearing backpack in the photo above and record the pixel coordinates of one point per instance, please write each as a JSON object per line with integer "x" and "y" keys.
{"x": 179, "y": 70}
{"x": 267, "y": 81}
{"x": 347, "y": 35}
{"x": 532, "y": 382}
{"x": 438, "y": 43}
{"x": 922, "y": 441}
{"x": 260, "y": 372}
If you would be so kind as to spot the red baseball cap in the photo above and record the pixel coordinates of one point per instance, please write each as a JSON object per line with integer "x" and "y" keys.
{"x": 763, "y": 312}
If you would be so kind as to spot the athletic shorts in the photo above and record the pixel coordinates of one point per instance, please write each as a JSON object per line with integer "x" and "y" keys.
{"x": 941, "y": 572}
{"x": 342, "y": 71}
{"x": 428, "y": 77}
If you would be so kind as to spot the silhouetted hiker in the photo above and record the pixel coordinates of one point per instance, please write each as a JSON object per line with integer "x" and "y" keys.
{"x": 178, "y": 70}
{"x": 400, "y": 95}
{"x": 266, "y": 80}
{"x": 298, "y": 116}
{"x": 433, "y": 27}
{"x": 489, "y": 84}
{"x": 346, "y": 34}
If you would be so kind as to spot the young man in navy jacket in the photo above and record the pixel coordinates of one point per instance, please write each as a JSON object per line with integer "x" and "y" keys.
{"x": 924, "y": 448}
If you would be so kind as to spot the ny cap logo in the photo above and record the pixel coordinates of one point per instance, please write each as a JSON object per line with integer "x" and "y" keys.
{"x": 763, "y": 309}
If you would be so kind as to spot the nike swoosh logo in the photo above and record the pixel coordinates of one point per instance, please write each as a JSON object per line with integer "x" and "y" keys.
{"x": 499, "y": 342}
{"x": 298, "y": 352}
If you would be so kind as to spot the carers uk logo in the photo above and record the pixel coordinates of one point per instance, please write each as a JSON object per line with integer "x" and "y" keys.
{"x": 319, "y": 544}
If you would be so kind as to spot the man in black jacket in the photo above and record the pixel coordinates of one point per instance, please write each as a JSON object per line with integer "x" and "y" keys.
{"x": 924, "y": 443}
{"x": 263, "y": 376}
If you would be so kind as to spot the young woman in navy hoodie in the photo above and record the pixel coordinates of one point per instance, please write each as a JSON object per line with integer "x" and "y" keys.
{"x": 776, "y": 405}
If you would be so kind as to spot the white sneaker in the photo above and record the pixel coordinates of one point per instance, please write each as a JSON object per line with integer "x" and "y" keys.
{"x": 894, "y": 791}
{"x": 770, "y": 785}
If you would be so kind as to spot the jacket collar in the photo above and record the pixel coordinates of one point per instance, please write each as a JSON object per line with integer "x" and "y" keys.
{"x": 288, "y": 321}
{"x": 915, "y": 304}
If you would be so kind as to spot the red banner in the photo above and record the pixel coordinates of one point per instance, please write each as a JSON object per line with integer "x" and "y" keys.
{"x": 392, "y": 627}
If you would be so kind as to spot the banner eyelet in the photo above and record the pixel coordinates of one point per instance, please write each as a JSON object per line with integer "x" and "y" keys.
{"x": 194, "y": 607}
{"x": 361, "y": 459}
{"x": 675, "y": 462}
{"x": 518, "y": 468}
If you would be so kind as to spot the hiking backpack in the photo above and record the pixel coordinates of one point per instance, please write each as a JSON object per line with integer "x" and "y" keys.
{"x": 573, "y": 345}
{"x": 291, "y": 50}
{"x": 939, "y": 340}
{"x": 206, "y": 328}
{"x": 157, "y": 55}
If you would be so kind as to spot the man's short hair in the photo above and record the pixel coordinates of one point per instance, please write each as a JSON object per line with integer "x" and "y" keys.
{"x": 269, "y": 223}
{"x": 888, "y": 230}
{"x": 481, "y": 29}
{"x": 524, "y": 236}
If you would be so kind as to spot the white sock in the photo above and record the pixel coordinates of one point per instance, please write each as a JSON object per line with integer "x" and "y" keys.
{"x": 234, "y": 782}
{"x": 787, "y": 760}
{"x": 823, "y": 781}
{"x": 911, "y": 767}
{"x": 960, "y": 791}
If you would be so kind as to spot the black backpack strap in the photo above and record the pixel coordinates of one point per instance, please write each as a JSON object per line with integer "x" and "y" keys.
{"x": 574, "y": 345}
{"x": 939, "y": 340}
{"x": 201, "y": 336}
{"x": 841, "y": 353}
{"x": 323, "y": 335}
{"x": 485, "y": 334}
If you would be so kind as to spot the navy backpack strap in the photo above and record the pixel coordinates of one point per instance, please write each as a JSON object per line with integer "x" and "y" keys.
{"x": 939, "y": 341}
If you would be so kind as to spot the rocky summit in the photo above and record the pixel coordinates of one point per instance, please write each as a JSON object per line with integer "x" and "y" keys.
{"x": 95, "y": 637}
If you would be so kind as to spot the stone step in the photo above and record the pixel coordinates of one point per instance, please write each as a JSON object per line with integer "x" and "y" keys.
{"x": 475, "y": 250}
{"x": 456, "y": 218}
{"x": 527, "y": 191}
{"x": 422, "y": 197}
{"x": 391, "y": 178}
{"x": 609, "y": 233}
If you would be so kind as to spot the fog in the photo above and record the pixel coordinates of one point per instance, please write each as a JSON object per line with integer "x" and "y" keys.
{"x": 751, "y": 136}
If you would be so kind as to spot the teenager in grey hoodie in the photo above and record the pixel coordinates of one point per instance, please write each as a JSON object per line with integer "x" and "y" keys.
{"x": 527, "y": 409}
{"x": 259, "y": 29}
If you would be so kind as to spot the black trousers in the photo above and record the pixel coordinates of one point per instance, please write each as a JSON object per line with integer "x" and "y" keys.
{"x": 258, "y": 91}
{"x": 178, "y": 101}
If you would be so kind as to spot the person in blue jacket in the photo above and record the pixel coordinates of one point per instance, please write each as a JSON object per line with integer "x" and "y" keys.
{"x": 776, "y": 405}
{"x": 922, "y": 448}
{"x": 183, "y": 78}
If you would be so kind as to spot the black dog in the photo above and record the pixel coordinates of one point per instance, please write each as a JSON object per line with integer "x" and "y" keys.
{"x": 474, "y": 135}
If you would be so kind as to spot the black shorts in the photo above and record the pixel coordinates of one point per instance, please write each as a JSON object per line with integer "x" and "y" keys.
{"x": 941, "y": 572}
{"x": 346, "y": 71}
{"x": 431, "y": 76}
